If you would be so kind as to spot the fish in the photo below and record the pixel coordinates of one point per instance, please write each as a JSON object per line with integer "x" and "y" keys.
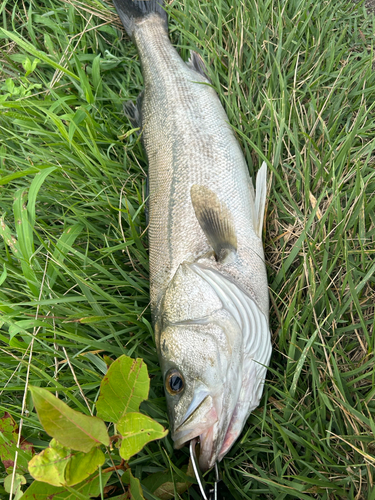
{"x": 208, "y": 281}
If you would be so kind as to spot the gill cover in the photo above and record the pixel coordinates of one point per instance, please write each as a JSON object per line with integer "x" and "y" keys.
{"x": 216, "y": 337}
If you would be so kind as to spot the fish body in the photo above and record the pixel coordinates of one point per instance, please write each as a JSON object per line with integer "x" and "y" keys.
{"x": 208, "y": 282}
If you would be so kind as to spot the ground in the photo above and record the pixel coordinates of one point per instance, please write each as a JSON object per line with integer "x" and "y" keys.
{"x": 370, "y": 4}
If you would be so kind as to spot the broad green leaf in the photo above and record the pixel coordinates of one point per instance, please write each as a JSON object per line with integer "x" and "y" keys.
{"x": 60, "y": 466}
{"x": 49, "y": 465}
{"x": 29, "y": 65}
{"x": 123, "y": 388}
{"x": 87, "y": 489}
{"x": 18, "y": 481}
{"x": 82, "y": 465}
{"x": 8, "y": 445}
{"x": 134, "y": 486}
{"x": 137, "y": 430}
{"x": 8, "y": 435}
{"x": 71, "y": 428}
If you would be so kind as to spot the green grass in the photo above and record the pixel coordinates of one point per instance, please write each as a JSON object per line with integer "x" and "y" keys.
{"x": 296, "y": 79}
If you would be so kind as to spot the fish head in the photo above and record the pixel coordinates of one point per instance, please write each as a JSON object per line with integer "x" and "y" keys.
{"x": 201, "y": 363}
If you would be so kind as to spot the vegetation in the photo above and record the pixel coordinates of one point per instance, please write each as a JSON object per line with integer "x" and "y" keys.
{"x": 296, "y": 79}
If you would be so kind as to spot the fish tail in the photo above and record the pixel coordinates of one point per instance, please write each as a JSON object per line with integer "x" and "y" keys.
{"x": 132, "y": 12}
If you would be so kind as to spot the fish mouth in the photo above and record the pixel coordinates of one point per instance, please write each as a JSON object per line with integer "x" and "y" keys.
{"x": 201, "y": 423}
{"x": 195, "y": 421}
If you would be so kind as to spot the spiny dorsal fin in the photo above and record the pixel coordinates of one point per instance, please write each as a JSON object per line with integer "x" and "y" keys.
{"x": 197, "y": 63}
{"x": 216, "y": 222}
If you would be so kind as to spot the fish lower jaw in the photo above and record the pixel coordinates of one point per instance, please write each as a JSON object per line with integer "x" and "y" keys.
{"x": 208, "y": 454}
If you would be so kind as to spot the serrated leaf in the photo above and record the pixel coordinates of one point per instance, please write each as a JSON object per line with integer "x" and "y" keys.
{"x": 134, "y": 486}
{"x": 88, "y": 489}
{"x": 123, "y": 388}
{"x": 137, "y": 430}
{"x": 69, "y": 427}
{"x": 60, "y": 466}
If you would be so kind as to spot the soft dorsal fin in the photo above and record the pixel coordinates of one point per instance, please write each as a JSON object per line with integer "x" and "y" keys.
{"x": 197, "y": 63}
{"x": 260, "y": 198}
{"x": 216, "y": 222}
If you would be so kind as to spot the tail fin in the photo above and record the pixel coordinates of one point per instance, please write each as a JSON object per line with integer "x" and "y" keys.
{"x": 260, "y": 198}
{"x": 133, "y": 11}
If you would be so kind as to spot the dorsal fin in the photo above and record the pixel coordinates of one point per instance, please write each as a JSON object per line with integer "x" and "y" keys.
{"x": 197, "y": 63}
{"x": 216, "y": 222}
{"x": 260, "y": 198}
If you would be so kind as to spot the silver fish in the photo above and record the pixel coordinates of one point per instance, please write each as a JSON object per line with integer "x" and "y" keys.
{"x": 209, "y": 293}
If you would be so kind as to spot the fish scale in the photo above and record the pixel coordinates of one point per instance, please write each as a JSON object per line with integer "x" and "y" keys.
{"x": 205, "y": 224}
{"x": 190, "y": 118}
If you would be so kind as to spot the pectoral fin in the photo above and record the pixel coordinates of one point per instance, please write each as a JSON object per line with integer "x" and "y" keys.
{"x": 216, "y": 222}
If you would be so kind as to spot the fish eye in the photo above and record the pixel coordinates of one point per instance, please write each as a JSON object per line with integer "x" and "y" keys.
{"x": 174, "y": 382}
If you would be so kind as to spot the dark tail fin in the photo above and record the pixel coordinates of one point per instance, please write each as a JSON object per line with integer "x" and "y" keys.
{"x": 133, "y": 11}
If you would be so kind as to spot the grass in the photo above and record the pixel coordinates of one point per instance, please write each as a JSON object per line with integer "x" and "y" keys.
{"x": 296, "y": 79}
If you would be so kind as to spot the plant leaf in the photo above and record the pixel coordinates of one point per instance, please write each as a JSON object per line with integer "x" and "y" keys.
{"x": 89, "y": 488}
{"x": 18, "y": 482}
{"x": 8, "y": 444}
{"x": 60, "y": 466}
{"x": 37, "y": 53}
{"x": 161, "y": 484}
{"x": 123, "y": 388}
{"x": 69, "y": 427}
{"x": 134, "y": 486}
{"x": 137, "y": 430}
{"x": 82, "y": 465}
{"x": 49, "y": 465}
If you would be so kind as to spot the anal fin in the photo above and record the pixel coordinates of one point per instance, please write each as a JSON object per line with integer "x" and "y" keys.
{"x": 196, "y": 62}
{"x": 134, "y": 111}
{"x": 216, "y": 222}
